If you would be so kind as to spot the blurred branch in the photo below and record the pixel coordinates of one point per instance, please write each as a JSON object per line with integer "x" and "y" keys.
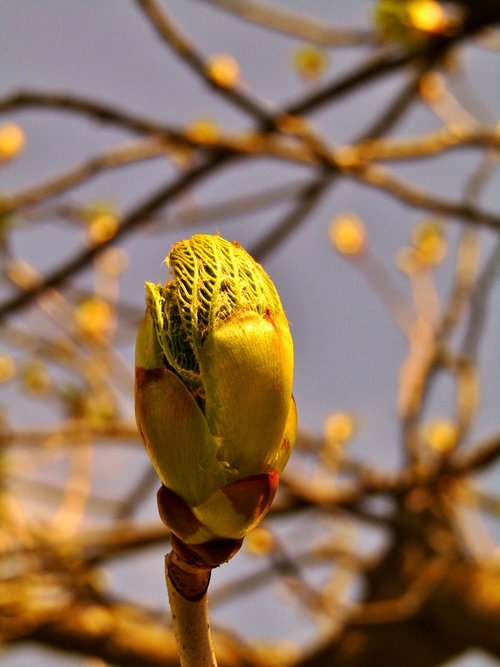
{"x": 36, "y": 491}
{"x": 170, "y": 34}
{"x": 477, "y": 457}
{"x": 129, "y": 637}
{"x": 425, "y": 145}
{"x": 386, "y": 120}
{"x": 372, "y": 69}
{"x": 97, "y": 547}
{"x": 447, "y": 625}
{"x": 119, "y": 633}
{"x": 295, "y": 24}
{"x": 307, "y": 200}
{"x": 94, "y": 109}
{"x": 74, "y": 176}
{"x": 70, "y": 435}
{"x": 190, "y": 214}
{"x": 324, "y": 495}
{"x": 136, "y": 217}
{"x": 148, "y": 481}
{"x": 238, "y": 206}
{"x": 478, "y": 311}
{"x": 343, "y": 158}
{"x": 417, "y": 197}
{"x": 281, "y": 565}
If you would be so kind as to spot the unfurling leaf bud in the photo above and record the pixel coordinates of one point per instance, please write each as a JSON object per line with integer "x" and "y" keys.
{"x": 214, "y": 368}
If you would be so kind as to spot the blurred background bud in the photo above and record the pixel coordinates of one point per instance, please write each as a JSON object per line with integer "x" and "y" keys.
{"x": 347, "y": 235}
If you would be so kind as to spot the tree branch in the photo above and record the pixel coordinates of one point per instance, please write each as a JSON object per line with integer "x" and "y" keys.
{"x": 296, "y": 24}
{"x": 172, "y": 36}
{"x": 383, "y": 180}
{"x": 74, "y": 176}
{"x": 136, "y": 217}
{"x": 93, "y": 109}
{"x": 307, "y": 200}
{"x": 122, "y": 635}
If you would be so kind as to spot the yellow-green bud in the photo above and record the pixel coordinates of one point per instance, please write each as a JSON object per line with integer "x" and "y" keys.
{"x": 214, "y": 367}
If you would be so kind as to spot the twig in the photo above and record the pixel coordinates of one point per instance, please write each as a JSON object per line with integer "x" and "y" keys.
{"x": 70, "y": 435}
{"x": 478, "y": 311}
{"x": 426, "y": 145}
{"x": 233, "y": 208}
{"x": 371, "y": 70}
{"x": 42, "y": 491}
{"x": 190, "y": 613}
{"x": 308, "y": 199}
{"x": 165, "y": 27}
{"x": 322, "y": 496}
{"x": 479, "y": 457}
{"x": 383, "y": 123}
{"x": 296, "y": 24}
{"x": 135, "y": 217}
{"x": 121, "y": 157}
{"x": 94, "y": 109}
{"x": 127, "y": 506}
{"x": 416, "y": 197}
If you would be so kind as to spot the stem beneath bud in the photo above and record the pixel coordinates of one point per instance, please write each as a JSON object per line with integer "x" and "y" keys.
{"x": 187, "y": 593}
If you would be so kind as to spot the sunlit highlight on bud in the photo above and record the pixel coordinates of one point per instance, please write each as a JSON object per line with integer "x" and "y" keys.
{"x": 429, "y": 241}
{"x": 347, "y": 235}
{"x": 339, "y": 427}
{"x": 94, "y": 317}
{"x": 440, "y": 435}
{"x": 7, "y": 368}
{"x": 309, "y": 61}
{"x": 103, "y": 222}
{"x": 260, "y": 542}
{"x": 22, "y": 274}
{"x": 203, "y": 130}
{"x": 35, "y": 378}
{"x": 12, "y": 141}
{"x": 432, "y": 86}
{"x": 224, "y": 70}
{"x": 426, "y": 15}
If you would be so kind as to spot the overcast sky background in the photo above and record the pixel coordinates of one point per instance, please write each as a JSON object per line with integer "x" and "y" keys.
{"x": 348, "y": 350}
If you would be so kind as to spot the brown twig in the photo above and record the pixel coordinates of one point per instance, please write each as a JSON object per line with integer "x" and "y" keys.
{"x": 425, "y": 145}
{"x": 372, "y": 69}
{"x": 74, "y": 176}
{"x": 137, "y": 216}
{"x": 119, "y": 633}
{"x": 307, "y": 200}
{"x": 172, "y": 36}
{"x": 371, "y": 483}
{"x": 94, "y": 109}
{"x": 416, "y": 197}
